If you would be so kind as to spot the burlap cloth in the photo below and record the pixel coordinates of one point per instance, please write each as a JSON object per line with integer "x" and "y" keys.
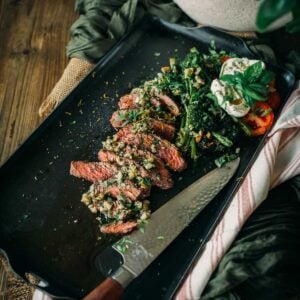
{"x": 75, "y": 71}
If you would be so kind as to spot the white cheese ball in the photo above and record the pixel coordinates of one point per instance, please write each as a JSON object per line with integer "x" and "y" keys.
{"x": 236, "y": 106}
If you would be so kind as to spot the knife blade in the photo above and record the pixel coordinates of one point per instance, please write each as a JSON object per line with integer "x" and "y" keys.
{"x": 142, "y": 248}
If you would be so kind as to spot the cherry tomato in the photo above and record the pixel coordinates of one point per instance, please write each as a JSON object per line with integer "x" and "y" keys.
{"x": 274, "y": 100}
{"x": 224, "y": 58}
{"x": 259, "y": 119}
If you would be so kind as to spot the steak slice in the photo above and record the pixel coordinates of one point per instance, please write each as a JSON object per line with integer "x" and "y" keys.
{"x": 163, "y": 129}
{"x": 170, "y": 104}
{"x": 155, "y": 102}
{"x": 110, "y": 156}
{"x": 119, "y": 228}
{"x": 143, "y": 157}
{"x": 121, "y": 118}
{"x": 157, "y": 177}
{"x": 116, "y": 120}
{"x": 129, "y": 101}
{"x": 136, "y": 99}
{"x": 125, "y": 189}
{"x": 160, "y": 147}
{"x": 166, "y": 181}
{"x": 92, "y": 171}
{"x": 124, "y": 116}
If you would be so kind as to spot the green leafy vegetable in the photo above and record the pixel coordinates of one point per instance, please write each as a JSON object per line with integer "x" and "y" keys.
{"x": 222, "y": 139}
{"x": 271, "y": 10}
{"x": 254, "y": 72}
{"x": 189, "y": 80}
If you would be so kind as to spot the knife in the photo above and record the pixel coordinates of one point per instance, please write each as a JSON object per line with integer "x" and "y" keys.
{"x": 164, "y": 226}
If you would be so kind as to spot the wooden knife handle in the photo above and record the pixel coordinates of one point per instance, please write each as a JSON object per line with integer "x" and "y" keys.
{"x": 109, "y": 289}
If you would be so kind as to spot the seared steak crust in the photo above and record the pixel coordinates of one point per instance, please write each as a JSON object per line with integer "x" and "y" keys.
{"x": 170, "y": 104}
{"x": 160, "y": 147}
{"x": 119, "y": 228}
{"x": 92, "y": 171}
{"x": 128, "y": 101}
{"x": 162, "y": 129}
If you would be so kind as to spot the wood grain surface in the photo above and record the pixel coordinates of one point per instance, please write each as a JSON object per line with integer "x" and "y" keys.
{"x": 33, "y": 36}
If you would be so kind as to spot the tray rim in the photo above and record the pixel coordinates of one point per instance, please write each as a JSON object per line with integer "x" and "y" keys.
{"x": 38, "y": 131}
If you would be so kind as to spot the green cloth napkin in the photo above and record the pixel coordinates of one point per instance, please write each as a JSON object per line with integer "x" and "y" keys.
{"x": 103, "y": 22}
{"x": 263, "y": 262}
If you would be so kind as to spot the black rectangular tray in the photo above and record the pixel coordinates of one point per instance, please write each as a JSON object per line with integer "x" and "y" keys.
{"x": 47, "y": 231}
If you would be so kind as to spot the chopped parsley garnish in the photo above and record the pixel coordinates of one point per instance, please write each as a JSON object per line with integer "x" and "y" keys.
{"x": 123, "y": 244}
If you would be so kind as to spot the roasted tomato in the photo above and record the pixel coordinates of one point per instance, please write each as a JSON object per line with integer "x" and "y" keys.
{"x": 274, "y": 100}
{"x": 224, "y": 58}
{"x": 259, "y": 119}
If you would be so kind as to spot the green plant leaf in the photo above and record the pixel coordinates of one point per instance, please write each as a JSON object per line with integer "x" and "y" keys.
{"x": 258, "y": 88}
{"x": 235, "y": 79}
{"x": 228, "y": 78}
{"x": 239, "y": 77}
{"x": 266, "y": 77}
{"x": 271, "y": 10}
{"x": 253, "y": 94}
{"x": 253, "y": 72}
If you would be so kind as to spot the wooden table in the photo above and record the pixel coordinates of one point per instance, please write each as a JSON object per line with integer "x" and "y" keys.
{"x": 33, "y": 36}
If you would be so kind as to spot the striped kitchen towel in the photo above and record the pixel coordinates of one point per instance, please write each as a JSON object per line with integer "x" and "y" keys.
{"x": 278, "y": 161}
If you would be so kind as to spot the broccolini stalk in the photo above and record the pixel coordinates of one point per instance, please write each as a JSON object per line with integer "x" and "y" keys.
{"x": 203, "y": 125}
{"x": 191, "y": 70}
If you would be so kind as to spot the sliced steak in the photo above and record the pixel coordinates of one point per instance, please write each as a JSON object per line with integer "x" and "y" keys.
{"x": 134, "y": 100}
{"x": 121, "y": 118}
{"x": 110, "y": 156}
{"x": 126, "y": 189}
{"x": 160, "y": 147}
{"x": 158, "y": 174}
{"x": 143, "y": 157}
{"x": 124, "y": 116}
{"x": 170, "y": 104}
{"x": 92, "y": 171}
{"x": 166, "y": 181}
{"x": 117, "y": 120}
{"x": 119, "y": 228}
{"x": 129, "y": 101}
{"x": 162, "y": 129}
{"x": 155, "y": 102}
